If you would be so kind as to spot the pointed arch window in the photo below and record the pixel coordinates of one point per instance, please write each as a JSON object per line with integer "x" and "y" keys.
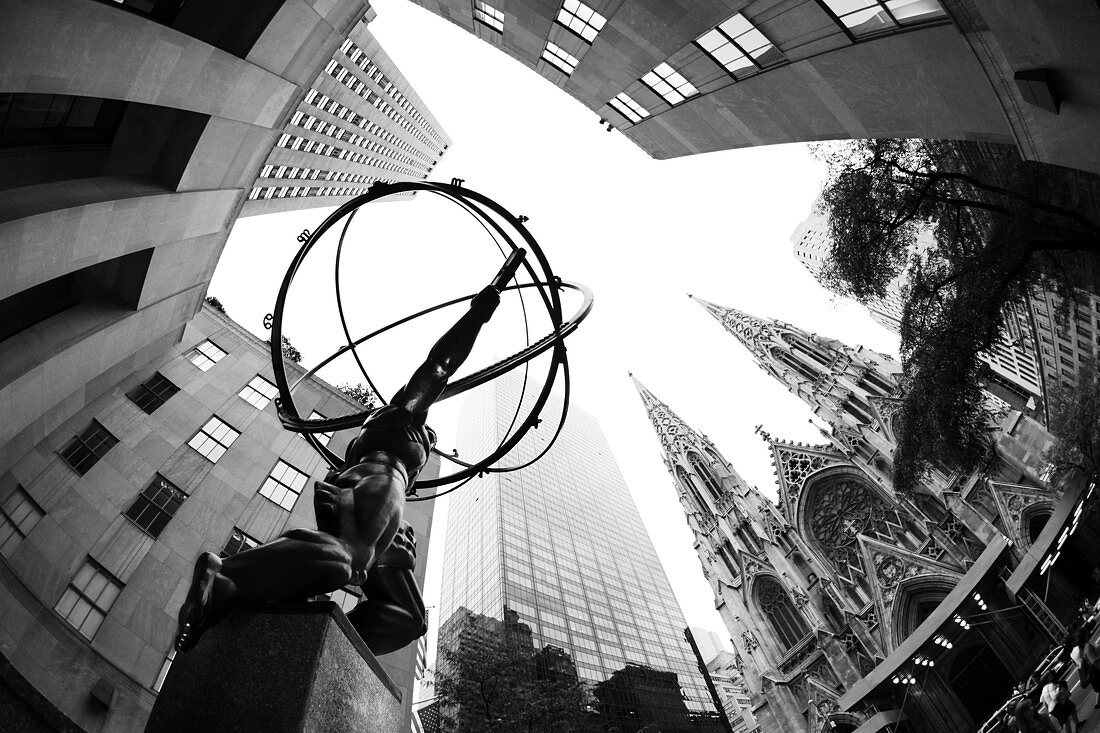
{"x": 692, "y": 488}
{"x": 702, "y": 470}
{"x": 776, "y": 606}
{"x": 858, "y": 409}
{"x": 789, "y": 360}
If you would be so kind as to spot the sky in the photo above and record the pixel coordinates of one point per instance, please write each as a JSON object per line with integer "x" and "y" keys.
{"x": 641, "y": 233}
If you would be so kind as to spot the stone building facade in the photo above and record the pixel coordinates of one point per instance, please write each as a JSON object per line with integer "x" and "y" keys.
{"x": 683, "y": 78}
{"x": 131, "y": 134}
{"x": 101, "y": 521}
{"x": 850, "y": 603}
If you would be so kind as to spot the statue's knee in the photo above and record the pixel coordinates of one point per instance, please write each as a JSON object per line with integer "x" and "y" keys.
{"x": 309, "y": 535}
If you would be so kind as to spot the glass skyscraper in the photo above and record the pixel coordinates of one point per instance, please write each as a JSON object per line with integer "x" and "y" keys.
{"x": 561, "y": 544}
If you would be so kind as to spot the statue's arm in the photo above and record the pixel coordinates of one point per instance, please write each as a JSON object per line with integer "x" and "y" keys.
{"x": 450, "y": 351}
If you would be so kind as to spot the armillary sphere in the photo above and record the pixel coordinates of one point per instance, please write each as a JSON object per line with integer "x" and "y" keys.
{"x": 506, "y": 230}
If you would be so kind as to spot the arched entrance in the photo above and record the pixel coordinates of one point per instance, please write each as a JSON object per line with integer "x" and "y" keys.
{"x": 979, "y": 680}
{"x": 915, "y": 601}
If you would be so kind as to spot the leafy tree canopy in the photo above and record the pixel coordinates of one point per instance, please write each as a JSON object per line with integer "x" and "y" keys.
{"x": 361, "y": 393}
{"x": 969, "y": 230}
{"x": 501, "y": 684}
{"x": 1075, "y": 424}
{"x": 216, "y": 304}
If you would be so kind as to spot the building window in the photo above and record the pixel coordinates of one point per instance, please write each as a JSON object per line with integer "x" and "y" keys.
{"x": 322, "y": 438}
{"x": 155, "y": 505}
{"x": 488, "y": 15}
{"x": 238, "y": 541}
{"x": 284, "y": 485}
{"x": 85, "y": 450}
{"x": 164, "y": 667}
{"x": 869, "y": 17}
{"x": 205, "y": 355}
{"x": 259, "y": 392}
{"x": 89, "y": 597}
{"x": 788, "y": 624}
{"x": 581, "y": 19}
{"x": 738, "y": 47}
{"x": 628, "y": 108}
{"x": 214, "y": 439}
{"x": 152, "y": 393}
{"x": 559, "y": 58}
{"x": 667, "y": 82}
{"x": 18, "y": 516}
{"x": 345, "y": 599}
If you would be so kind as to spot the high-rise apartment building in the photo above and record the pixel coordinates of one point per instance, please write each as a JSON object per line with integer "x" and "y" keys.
{"x": 101, "y": 521}
{"x": 732, "y": 691}
{"x": 685, "y": 78}
{"x": 360, "y": 122}
{"x": 132, "y": 135}
{"x": 559, "y": 548}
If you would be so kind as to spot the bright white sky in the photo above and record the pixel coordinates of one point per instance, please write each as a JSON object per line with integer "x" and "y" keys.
{"x": 640, "y": 233}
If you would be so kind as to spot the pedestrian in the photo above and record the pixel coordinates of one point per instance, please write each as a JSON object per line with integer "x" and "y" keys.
{"x": 1029, "y": 720}
{"x": 1055, "y": 697}
{"x": 1086, "y": 657}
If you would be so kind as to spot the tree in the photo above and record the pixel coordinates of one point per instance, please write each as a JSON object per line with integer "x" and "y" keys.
{"x": 1075, "y": 424}
{"x": 290, "y": 352}
{"x": 360, "y": 393}
{"x": 216, "y": 304}
{"x": 1000, "y": 227}
{"x": 499, "y": 683}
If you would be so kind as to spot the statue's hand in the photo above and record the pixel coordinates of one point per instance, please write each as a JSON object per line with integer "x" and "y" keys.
{"x": 402, "y": 551}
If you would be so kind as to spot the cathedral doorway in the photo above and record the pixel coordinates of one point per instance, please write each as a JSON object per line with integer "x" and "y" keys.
{"x": 979, "y": 679}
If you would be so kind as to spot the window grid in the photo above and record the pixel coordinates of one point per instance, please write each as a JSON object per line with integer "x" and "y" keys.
{"x": 238, "y": 541}
{"x": 19, "y": 514}
{"x": 559, "y": 58}
{"x": 152, "y": 393}
{"x": 205, "y": 355}
{"x": 89, "y": 597}
{"x": 214, "y": 439}
{"x": 345, "y": 599}
{"x": 739, "y": 47}
{"x": 488, "y": 15}
{"x": 258, "y": 392}
{"x": 155, "y": 506}
{"x": 628, "y": 108}
{"x": 323, "y": 438}
{"x": 669, "y": 84}
{"x": 284, "y": 485}
{"x": 862, "y": 18}
{"x": 85, "y": 450}
{"x": 581, "y": 20}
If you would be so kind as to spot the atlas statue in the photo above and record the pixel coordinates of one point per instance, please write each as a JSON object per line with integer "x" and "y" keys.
{"x": 361, "y": 538}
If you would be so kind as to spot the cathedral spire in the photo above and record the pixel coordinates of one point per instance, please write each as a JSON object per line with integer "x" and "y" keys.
{"x": 754, "y": 333}
{"x": 672, "y": 431}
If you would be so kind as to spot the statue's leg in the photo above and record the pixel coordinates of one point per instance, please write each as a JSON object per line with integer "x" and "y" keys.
{"x": 299, "y": 564}
{"x": 378, "y": 505}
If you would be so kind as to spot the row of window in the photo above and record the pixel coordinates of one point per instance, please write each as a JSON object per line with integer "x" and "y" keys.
{"x": 296, "y": 142}
{"x": 312, "y": 174}
{"x": 736, "y": 45}
{"x": 283, "y": 192}
{"x": 316, "y": 124}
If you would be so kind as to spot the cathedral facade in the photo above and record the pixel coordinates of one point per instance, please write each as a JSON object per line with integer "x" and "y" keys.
{"x": 853, "y": 607}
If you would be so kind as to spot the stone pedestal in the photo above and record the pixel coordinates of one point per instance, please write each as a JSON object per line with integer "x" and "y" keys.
{"x": 284, "y": 668}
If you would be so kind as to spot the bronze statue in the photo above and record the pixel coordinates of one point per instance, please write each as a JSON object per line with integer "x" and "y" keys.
{"x": 360, "y": 538}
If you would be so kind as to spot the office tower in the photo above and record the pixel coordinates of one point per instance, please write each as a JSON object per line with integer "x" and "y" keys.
{"x": 733, "y": 692}
{"x": 101, "y": 521}
{"x": 559, "y": 549}
{"x": 685, "y": 78}
{"x": 360, "y": 122}
{"x": 708, "y": 642}
{"x": 132, "y": 134}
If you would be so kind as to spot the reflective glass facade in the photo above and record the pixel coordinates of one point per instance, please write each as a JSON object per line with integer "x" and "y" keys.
{"x": 561, "y": 543}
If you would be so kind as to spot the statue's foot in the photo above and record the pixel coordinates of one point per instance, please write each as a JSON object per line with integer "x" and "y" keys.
{"x": 197, "y": 611}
